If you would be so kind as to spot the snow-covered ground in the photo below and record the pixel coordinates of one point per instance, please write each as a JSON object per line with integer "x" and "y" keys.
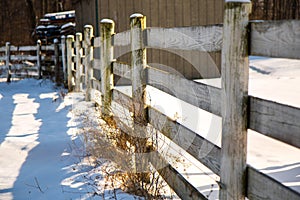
{"x": 41, "y": 153}
{"x": 41, "y": 156}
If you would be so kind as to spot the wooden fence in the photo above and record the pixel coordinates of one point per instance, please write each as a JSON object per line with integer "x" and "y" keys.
{"x": 28, "y": 61}
{"x": 238, "y": 38}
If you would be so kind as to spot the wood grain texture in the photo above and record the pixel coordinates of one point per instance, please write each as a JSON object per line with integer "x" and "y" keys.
{"x": 121, "y": 39}
{"x": 175, "y": 180}
{"x": 235, "y": 77}
{"x": 122, "y": 70}
{"x": 70, "y": 64}
{"x": 275, "y": 120}
{"x": 78, "y": 64}
{"x": 122, "y": 99}
{"x": 21, "y": 57}
{"x": 203, "y": 150}
{"x": 261, "y": 186}
{"x": 88, "y": 50}
{"x": 28, "y": 48}
{"x": 97, "y": 42}
{"x": 200, "y": 95}
{"x": 107, "y": 29}
{"x": 276, "y": 38}
{"x": 201, "y": 38}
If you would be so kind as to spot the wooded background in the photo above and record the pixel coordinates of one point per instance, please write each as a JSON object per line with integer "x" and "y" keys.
{"x": 18, "y": 19}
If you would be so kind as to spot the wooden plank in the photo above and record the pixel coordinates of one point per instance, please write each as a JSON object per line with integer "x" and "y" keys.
{"x": 122, "y": 99}
{"x": 122, "y": 70}
{"x": 70, "y": 64}
{"x": 201, "y": 38}
{"x": 121, "y": 39}
{"x": 276, "y": 38}
{"x": 186, "y": 13}
{"x": 96, "y": 64}
{"x": 235, "y": 77}
{"x": 194, "y": 12}
{"x": 175, "y": 180}
{"x": 275, "y": 120}
{"x": 88, "y": 50}
{"x": 23, "y": 57}
{"x": 210, "y": 12}
{"x": 198, "y": 94}
{"x": 261, "y": 186}
{"x": 48, "y": 48}
{"x": 97, "y": 42}
{"x": 206, "y": 152}
{"x": 78, "y": 64}
{"x": 107, "y": 29}
{"x": 96, "y": 85}
{"x": 27, "y": 48}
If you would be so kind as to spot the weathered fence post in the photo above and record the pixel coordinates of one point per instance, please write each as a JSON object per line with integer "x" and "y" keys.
{"x": 107, "y": 27}
{"x": 63, "y": 58}
{"x": 88, "y": 35}
{"x": 139, "y": 64}
{"x": 7, "y": 61}
{"x": 78, "y": 62}
{"x": 235, "y": 75}
{"x": 70, "y": 64}
{"x": 38, "y": 58}
{"x": 58, "y": 71}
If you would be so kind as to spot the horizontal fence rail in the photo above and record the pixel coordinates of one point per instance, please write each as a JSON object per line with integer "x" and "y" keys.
{"x": 27, "y": 60}
{"x": 269, "y": 118}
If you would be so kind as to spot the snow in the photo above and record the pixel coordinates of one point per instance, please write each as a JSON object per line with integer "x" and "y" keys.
{"x": 42, "y": 153}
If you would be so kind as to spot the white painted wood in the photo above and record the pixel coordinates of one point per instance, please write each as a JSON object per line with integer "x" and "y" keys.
{"x": 235, "y": 76}
{"x": 78, "y": 64}
{"x": 275, "y": 120}
{"x": 88, "y": 50}
{"x": 122, "y": 70}
{"x": 70, "y": 64}
{"x": 58, "y": 70}
{"x": 38, "y": 58}
{"x": 276, "y": 38}
{"x": 64, "y": 58}
{"x": 261, "y": 186}
{"x": 198, "y": 94}
{"x": 29, "y": 48}
{"x": 48, "y": 48}
{"x": 97, "y": 42}
{"x": 200, "y": 38}
{"x": 138, "y": 77}
{"x": 121, "y": 39}
{"x": 97, "y": 64}
{"x": 203, "y": 150}
{"x": 139, "y": 65}
{"x": 175, "y": 180}
{"x": 106, "y": 57}
{"x": 7, "y": 61}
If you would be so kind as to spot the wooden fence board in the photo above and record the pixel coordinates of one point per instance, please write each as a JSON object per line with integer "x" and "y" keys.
{"x": 175, "y": 180}
{"x": 275, "y": 120}
{"x": 201, "y": 38}
{"x": 122, "y": 70}
{"x": 261, "y": 186}
{"x": 122, "y": 99}
{"x": 121, "y": 39}
{"x": 276, "y": 38}
{"x": 203, "y": 150}
{"x": 22, "y": 57}
{"x": 200, "y": 95}
{"x": 97, "y": 42}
